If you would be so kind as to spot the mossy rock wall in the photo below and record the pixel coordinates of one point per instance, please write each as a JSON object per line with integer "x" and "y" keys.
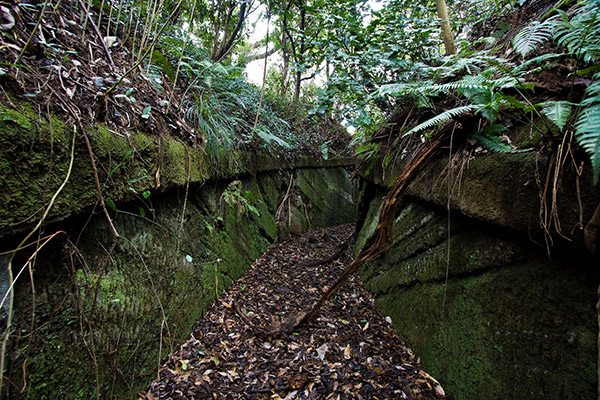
{"x": 510, "y": 322}
{"x": 107, "y": 311}
{"x": 36, "y": 152}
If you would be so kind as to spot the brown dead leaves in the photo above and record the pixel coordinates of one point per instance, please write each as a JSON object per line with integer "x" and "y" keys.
{"x": 349, "y": 352}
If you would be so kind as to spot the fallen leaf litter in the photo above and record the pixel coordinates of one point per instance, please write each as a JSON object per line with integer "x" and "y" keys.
{"x": 349, "y": 352}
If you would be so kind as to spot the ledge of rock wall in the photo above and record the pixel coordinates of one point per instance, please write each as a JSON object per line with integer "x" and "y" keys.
{"x": 36, "y": 152}
{"x": 502, "y": 189}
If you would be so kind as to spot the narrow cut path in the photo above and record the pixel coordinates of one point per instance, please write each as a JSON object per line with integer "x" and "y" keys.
{"x": 349, "y": 352}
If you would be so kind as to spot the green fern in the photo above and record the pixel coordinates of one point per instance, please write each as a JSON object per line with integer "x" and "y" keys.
{"x": 581, "y": 34}
{"x": 443, "y": 117}
{"x": 587, "y": 129}
{"x": 532, "y": 36}
{"x": 558, "y": 112}
{"x": 523, "y": 70}
{"x": 592, "y": 93}
{"x": 496, "y": 144}
{"x": 402, "y": 89}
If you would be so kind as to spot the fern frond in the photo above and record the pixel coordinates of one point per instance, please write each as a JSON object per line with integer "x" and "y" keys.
{"x": 592, "y": 93}
{"x": 587, "y": 130}
{"x": 581, "y": 35}
{"x": 531, "y": 37}
{"x": 445, "y": 116}
{"x": 402, "y": 89}
{"x": 495, "y": 144}
{"x": 558, "y": 112}
{"x": 521, "y": 70}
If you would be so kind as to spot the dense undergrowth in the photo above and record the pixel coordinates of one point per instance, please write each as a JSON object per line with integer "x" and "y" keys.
{"x": 539, "y": 69}
{"x": 151, "y": 73}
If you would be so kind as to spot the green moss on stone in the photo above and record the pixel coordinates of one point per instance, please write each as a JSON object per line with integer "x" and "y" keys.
{"x": 518, "y": 332}
{"x": 514, "y": 325}
{"x": 330, "y": 193}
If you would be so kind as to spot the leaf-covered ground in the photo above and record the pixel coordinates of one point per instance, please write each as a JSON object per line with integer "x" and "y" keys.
{"x": 350, "y": 352}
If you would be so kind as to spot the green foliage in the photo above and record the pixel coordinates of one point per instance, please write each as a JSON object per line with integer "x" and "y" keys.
{"x": 580, "y": 35}
{"x": 532, "y": 36}
{"x": 558, "y": 112}
{"x": 587, "y": 126}
{"x": 490, "y": 83}
{"x": 488, "y": 138}
{"x": 443, "y": 117}
{"x": 225, "y": 107}
{"x": 163, "y": 62}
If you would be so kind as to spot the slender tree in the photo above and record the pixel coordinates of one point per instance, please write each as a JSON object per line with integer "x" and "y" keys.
{"x": 447, "y": 35}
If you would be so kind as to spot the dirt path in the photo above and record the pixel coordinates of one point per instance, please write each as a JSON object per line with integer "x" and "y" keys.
{"x": 349, "y": 352}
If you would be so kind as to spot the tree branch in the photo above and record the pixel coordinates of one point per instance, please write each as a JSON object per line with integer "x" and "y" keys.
{"x": 241, "y": 18}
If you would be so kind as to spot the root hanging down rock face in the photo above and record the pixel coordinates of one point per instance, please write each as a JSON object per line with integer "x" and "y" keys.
{"x": 383, "y": 233}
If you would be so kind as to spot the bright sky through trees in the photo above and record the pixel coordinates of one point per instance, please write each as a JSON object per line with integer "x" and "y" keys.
{"x": 254, "y": 70}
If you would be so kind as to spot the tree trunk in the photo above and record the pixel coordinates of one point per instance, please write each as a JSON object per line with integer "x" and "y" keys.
{"x": 301, "y": 53}
{"x": 447, "y": 35}
{"x": 228, "y": 44}
{"x": 284, "y": 72}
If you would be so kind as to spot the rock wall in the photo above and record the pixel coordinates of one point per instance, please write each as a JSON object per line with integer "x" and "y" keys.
{"x": 36, "y": 152}
{"x": 98, "y": 314}
{"x": 107, "y": 311}
{"x": 472, "y": 290}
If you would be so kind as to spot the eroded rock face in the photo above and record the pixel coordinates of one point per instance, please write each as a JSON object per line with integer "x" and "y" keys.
{"x": 122, "y": 304}
{"x": 474, "y": 293}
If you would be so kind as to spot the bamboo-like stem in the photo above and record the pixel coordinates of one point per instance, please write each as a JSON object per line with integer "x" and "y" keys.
{"x": 185, "y": 38}
{"x": 37, "y": 25}
{"x": 137, "y": 64}
{"x": 262, "y": 90}
{"x": 112, "y": 63}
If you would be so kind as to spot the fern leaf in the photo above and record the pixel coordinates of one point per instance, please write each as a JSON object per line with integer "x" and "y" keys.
{"x": 581, "y": 35}
{"x": 531, "y": 37}
{"x": 445, "y": 116}
{"x": 522, "y": 70}
{"x": 401, "y": 89}
{"x": 587, "y": 130}
{"x": 592, "y": 93}
{"x": 558, "y": 112}
{"x": 495, "y": 144}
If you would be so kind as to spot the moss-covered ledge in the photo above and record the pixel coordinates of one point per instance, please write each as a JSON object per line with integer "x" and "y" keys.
{"x": 36, "y": 153}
